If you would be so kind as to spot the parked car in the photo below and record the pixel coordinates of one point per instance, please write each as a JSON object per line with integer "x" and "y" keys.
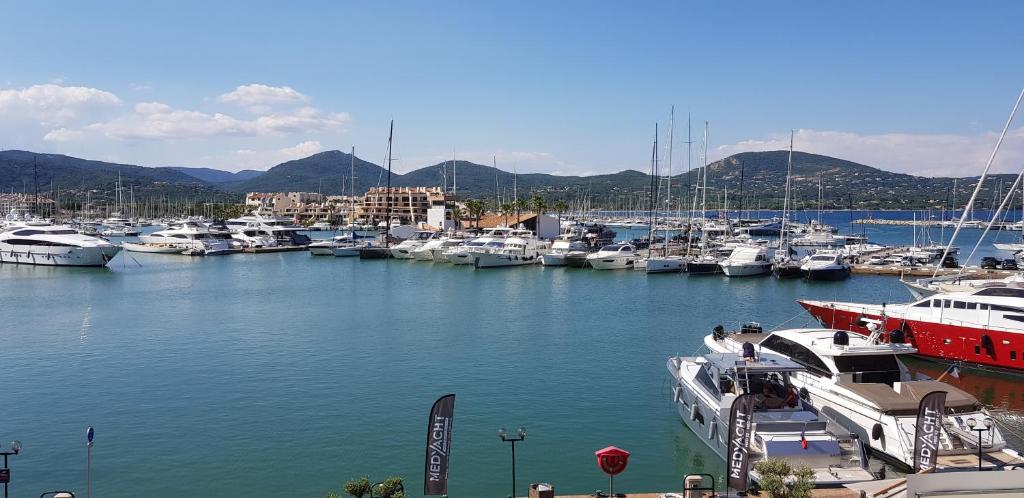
{"x": 989, "y": 263}
{"x": 950, "y": 262}
{"x": 1009, "y": 264}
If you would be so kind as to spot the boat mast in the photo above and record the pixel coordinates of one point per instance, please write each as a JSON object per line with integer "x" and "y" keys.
{"x": 387, "y": 231}
{"x": 785, "y": 202}
{"x": 352, "y": 188}
{"x": 668, "y": 190}
{"x": 652, "y": 196}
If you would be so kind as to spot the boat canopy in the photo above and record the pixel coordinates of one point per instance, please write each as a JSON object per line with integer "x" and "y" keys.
{"x": 764, "y": 363}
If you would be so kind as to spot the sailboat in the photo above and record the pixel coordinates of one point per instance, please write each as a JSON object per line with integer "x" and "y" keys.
{"x": 382, "y": 251}
{"x": 663, "y": 263}
{"x": 784, "y": 266}
{"x": 705, "y": 263}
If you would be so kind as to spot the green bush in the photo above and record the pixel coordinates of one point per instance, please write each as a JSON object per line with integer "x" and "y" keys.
{"x": 773, "y": 474}
{"x": 358, "y": 487}
{"x": 391, "y": 488}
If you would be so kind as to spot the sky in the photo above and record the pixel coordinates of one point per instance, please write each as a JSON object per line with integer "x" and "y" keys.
{"x": 566, "y": 87}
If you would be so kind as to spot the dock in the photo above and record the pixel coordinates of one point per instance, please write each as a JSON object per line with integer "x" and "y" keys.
{"x": 926, "y": 271}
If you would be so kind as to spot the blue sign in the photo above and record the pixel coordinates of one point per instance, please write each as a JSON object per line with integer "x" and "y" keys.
{"x": 90, "y": 434}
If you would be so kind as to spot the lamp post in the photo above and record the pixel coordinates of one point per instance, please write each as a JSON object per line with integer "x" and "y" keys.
{"x": 972, "y": 423}
{"x": 520, "y": 435}
{"x": 5, "y": 473}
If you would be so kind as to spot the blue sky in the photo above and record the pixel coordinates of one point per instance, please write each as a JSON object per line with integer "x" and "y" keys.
{"x": 563, "y": 87}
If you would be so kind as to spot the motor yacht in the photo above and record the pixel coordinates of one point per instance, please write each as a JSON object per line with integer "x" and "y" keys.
{"x": 704, "y": 264}
{"x": 984, "y": 327}
{"x": 825, "y": 265}
{"x": 190, "y": 235}
{"x": 664, "y": 264}
{"x": 520, "y": 248}
{"x": 747, "y": 261}
{"x": 40, "y": 243}
{"x": 614, "y": 257}
{"x": 861, "y": 384}
{"x": 345, "y": 240}
{"x": 818, "y": 238}
{"x": 925, "y": 287}
{"x": 439, "y": 253}
{"x": 491, "y": 239}
{"x": 263, "y": 229}
{"x": 784, "y": 425}
{"x": 566, "y": 243}
{"x": 405, "y": 248}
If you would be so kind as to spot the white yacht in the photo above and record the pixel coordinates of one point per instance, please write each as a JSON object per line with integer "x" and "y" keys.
{"x": 119, "y": 226}
{"x": 860, "y": 383}
{"x": 784, "y": 425}
{"x": 405, "y": 248}
{"x": 521, "y": 247}
{"x": 747, "y": 261}
{"x": 818, "y": 238}
{"x": 39, "y": 243}
{"x": 263, "y": 229}
{"x": 566, "y": 243}
{"x": 491, "y": 240}
{"x": 664, "y": 264}
{"x": 191, "y": 235}
{"x": 344, "y": 240}
{"x": 439, "y": 253}
{"x": 825, "y": 265}
{"x": 614, "y": 257}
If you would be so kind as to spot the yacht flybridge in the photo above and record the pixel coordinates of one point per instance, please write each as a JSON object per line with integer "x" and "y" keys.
{"x": 860, "y": 384}
{"x": 784, "y": 425}
{"x": 40, "y": 243}
{"x": 520, "y": 248}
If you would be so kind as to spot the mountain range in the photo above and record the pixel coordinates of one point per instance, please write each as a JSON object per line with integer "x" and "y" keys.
{"x": 750, "y": 179}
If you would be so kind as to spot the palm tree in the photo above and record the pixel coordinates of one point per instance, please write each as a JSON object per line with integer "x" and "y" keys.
{"x": 519, "y": 205}
{"x": 506, "y": 209}
{"x": 457, "y": 216}
{"x": 538, "y": 204}
{"x": 476, "y": 210}
{"x": 560, "y": 207}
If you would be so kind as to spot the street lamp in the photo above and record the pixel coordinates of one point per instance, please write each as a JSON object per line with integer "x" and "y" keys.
{"x": 5, "y": 473}
{"x": 520, "y": 435}
{"x": 972, "y": 423}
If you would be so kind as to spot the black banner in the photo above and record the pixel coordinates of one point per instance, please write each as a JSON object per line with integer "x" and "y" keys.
{"x": 439, "y": 444}
{"x": 737, "y": 457}
{"x": 929, "y": 428}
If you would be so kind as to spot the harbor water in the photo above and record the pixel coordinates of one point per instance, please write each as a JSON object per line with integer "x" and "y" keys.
{"x": 285, "y": 375}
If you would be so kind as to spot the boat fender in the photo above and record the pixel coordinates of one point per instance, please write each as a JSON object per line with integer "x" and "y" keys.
{"x": 718, "y": 332}
{"x": 712, "y": 430}
{"x": 876, "y": 432}
{"x": 677, "y": 395}
{"x": 693, "y": 411}
{"x": 896, "y": 336}
{"x": 804, "y": 393}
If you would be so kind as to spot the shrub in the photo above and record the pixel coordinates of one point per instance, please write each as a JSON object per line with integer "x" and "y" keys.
{"x": 358, "y": 487}
{"x": 773, "y": 474}
{"x": 391, "y": 488}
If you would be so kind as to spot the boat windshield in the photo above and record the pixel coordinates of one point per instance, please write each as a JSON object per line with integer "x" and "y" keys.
{"x": 874, "y": 369}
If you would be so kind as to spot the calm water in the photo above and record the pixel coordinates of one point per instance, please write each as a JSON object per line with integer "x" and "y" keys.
{"x": 286, "y": 374}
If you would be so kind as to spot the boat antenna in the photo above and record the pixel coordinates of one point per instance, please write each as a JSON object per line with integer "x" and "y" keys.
{"x": 977, "y": 188}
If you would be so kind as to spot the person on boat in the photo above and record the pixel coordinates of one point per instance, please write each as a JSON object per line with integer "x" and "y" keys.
{"x": 769, "y": 398}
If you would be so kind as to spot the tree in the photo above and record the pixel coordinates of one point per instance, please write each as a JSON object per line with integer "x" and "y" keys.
{"x": 358, "y": 487}
{"x": 476, "y": 210}
{"x": 538, "y": 204}
{"x": 773, "y": 474}
{"x": 457, "y": 216}
{"x": 506, "y": 209}
{"x": 519, "y": 205}
{"x": 560, "y": 207}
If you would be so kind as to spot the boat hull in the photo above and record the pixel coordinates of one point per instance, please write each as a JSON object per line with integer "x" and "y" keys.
{"x": 828, "y": 274}
{"x": 943, "y": 341}
{"x": 576, "y": 260}
{"x": 316, "y": 250}
{"x": 787, "y": 271}
{"x": 664, "y": 265}
{"x": 553, "y": 260}
{"x": 374, "y": 253}
{"x": 57, "y": 255}
{"x": 494, "y": 260}
{"x": 703, "y": 268}
{"x": 612, "y": 263}
{"x": 751, "y": 270}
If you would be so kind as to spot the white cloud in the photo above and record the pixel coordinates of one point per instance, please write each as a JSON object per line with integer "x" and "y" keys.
{"x": 917, "y": 154}
{"x": 52, "y": 105}
{"x": 260, "y": 159}
{"x": 159, "y": 121}
{"x": 262, "y": 95}
{"x": 62, "y": 135}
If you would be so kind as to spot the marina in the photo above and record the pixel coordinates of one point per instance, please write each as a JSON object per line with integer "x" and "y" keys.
{"x": 325, "y": 369}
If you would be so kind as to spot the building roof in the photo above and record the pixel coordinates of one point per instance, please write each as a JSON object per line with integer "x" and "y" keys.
{"x": 499, "y": 220}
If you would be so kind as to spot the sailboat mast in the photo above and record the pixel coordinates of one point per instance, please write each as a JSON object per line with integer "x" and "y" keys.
{"x": 391, "y": 133}
{"x": 352, "y": 187}
{"x": 651, "y": 195}
{"x": 785, "y": 202}
{"x": 668, "y": 189}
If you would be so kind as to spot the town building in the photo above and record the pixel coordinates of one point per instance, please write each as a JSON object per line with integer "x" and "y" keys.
{"x": 409, "y": 205}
